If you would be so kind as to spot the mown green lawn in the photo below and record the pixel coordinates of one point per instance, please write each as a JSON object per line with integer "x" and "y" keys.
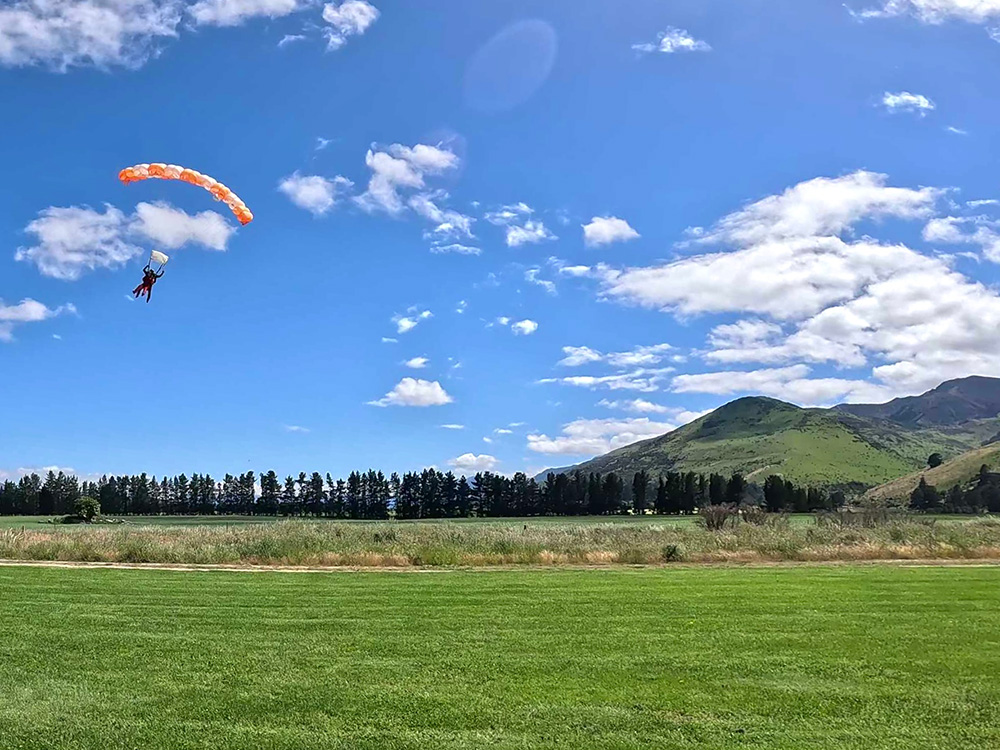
{"x": 793, "y": 658}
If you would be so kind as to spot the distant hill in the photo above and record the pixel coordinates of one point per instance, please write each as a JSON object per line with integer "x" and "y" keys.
{"x": 761, "y": 436}
{"x": 952, "y": 403}
{"x": 962, "y": 470}
{"x": 853, "y": 446}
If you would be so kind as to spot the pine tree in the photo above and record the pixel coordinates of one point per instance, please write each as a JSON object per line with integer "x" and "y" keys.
{"x": 640, "y": 484}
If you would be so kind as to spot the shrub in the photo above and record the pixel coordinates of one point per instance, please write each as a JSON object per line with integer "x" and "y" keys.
{"x": 88, "y": 508}
{"x": 716, "y": 517}
{"x": 672, "y": 553}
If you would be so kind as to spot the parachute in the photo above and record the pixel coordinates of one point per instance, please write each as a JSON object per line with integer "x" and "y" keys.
{"x": 190, "y": 176}
{"x": 157, "y": 257}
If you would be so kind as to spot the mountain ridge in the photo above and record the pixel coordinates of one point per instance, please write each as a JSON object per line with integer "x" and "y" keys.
{"x": 851, "y": 446}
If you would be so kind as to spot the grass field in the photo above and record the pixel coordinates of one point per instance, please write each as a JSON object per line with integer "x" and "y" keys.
{"x": 783, "y": 659}
{"x": 36, "y": 522}
{"x": 388, "y": 544}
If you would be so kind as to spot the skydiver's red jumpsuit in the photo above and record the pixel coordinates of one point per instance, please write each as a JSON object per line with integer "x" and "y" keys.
{"x": 149, "y": 278}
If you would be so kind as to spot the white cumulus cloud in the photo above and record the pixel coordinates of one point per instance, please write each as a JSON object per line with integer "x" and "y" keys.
{"x": 347, "y": 19}
{"x": 314, "y": 193}
{"x": 59, "y": 34}
{"x": 524, "y": 327}
{"x": 399, "y": 168}
{"x": 74, "y": 240}
{"x": 470, "y": 462}
{"x": 172, "y": 228}
{"x": 904, "y": 101}
{"x": 673, "y": 40}
{"x": 587, "y": 437}
{"x": 415, "y": 392}
{"x": 236, "y": 12}
{"x": 604, "y": 230}
{"x": 26, "y": 311}
{"x": 935, "y": 11}
{"x": 417, "y": 363}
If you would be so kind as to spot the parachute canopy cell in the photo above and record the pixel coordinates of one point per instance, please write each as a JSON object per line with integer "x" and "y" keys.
{"x": 190, "y": 176}
{"x": 157, "y": 257}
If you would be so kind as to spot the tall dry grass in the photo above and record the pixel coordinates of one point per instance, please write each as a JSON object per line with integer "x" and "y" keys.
{"x": 301, "y": 543}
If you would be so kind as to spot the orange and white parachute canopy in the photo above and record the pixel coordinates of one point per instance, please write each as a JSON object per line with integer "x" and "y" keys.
{"x": 174, "y": 172}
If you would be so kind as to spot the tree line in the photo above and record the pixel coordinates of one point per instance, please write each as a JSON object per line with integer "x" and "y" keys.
{"x": 434, "y": 494}
{"x": 373, "y": 495}
{"x": 982, "y": 497}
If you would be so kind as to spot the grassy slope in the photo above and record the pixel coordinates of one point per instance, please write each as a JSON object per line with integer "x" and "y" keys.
{"x": 826, "y": 659}
{"x": 810, "y": 446}
{"x": 962, "y": 469}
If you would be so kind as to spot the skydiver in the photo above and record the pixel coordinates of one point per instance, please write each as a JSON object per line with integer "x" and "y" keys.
{"x": 149, "y": 277}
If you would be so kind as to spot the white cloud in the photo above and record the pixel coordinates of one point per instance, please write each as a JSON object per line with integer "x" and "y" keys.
{"x": 638, "y": 356}
{"x": 790, "y": 262}
{"x": 59, "y": 34}
{"x": 453, "y": 427}
{"x": 462, "y": 307}
{"x": 74, "y": 240}
{"x": 236, "y": 12}
{"x": 450, "y": 228}
{"x": 642, "y": 379}
{"x": 347, "y": 19}
{"x": 472, "y": 463}
{"x": 823, "y": 206}
{"x": 26, "y": 311}
{"x": 524, "y": 327}
{"x": 172, "y": 228}
{"x": 387, "y": 340}
{"x": 314, "y": 193}
{"x": 584, "y": 437}
{"x": 904, "y": 101}
{"x": 487, "y": 440}
{"x": 809, "y": 295}
{"x": 408, "y": 323}
{"x": 41, "y": 471}
{"x": 603, "y": 230}
{"x": 291, "y": 39}
{"x": 530, "y": 233}
{"x": 456, "y": 248}
{"x": 636, "y": 406}
{"x": 673, "y": 40}
{"x": 976, "y": 230}
{"x": 577, "y": 271}
{"x": 936, "y": 11}
{"x": 414, "y": 392}
{"x": 417, "y": 363}
{"x": 296, "y": 428}
{"x": 401, "y": 168}
{"x": 503, "y": 431}
{"x": 531, "y": 276}
{"x": 956, "y": 131}
{"x": 520, "y": 228}
{"x": 787, "y": 383}
{"x": 579, "y": 355}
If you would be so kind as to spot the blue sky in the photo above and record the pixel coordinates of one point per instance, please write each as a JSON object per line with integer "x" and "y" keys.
{"x": 487, "y": 235}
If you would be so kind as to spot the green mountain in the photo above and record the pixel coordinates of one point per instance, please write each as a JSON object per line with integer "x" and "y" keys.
{"x": 856, "y": 446}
